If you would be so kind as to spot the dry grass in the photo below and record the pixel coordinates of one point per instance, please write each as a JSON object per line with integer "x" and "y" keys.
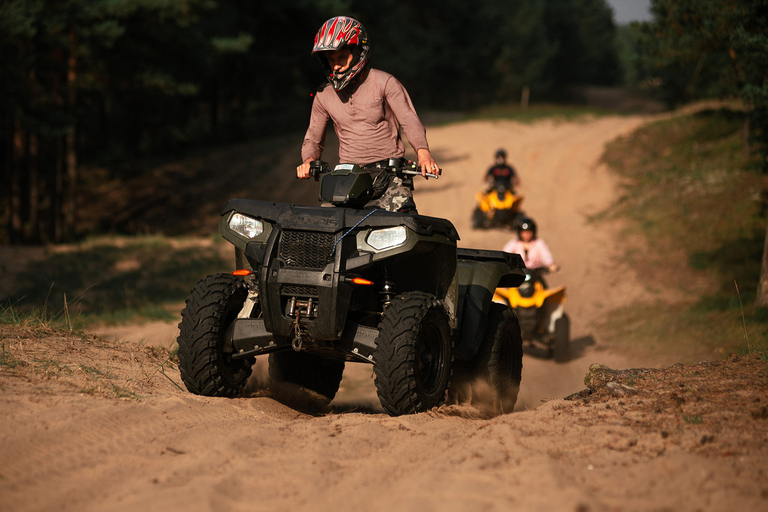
{"x": 41, "y": 356}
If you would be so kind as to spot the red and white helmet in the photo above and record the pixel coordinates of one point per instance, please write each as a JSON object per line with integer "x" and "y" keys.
{"x": 333, "y": 35}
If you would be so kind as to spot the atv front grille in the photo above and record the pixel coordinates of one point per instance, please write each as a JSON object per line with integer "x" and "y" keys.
{"x": 300, "y": 291}
{"x": 306, "y": 249}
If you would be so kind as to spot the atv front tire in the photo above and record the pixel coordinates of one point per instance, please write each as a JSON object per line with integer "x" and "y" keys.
{"x": 413, "y": 354}
{"x": 205, "y": 367}
{"x": 500, "y": 358}
{"x": 478, "y": 219}
{"x": 312, "y": 372}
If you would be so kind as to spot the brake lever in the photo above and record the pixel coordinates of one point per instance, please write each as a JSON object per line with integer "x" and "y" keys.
{"x": 412, "y": 169}
{"x": 316, "y": 168}
{"x": 418, "y": 173}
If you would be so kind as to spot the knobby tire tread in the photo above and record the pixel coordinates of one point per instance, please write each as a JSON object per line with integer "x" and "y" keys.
{"x": 395, "y": 376}
{"x": 205, "y": 369}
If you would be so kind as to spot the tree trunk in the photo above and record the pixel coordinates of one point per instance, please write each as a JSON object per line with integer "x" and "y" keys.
{"x": 70, "y": 144}
{"x": 33, "y": 191}
{"x": 57, "y": 195}
{"x": 16, "y": 222}
{"x": 761, "y": 300}
{"x": 745, "y": 146}
{"x": 213, "y": 101}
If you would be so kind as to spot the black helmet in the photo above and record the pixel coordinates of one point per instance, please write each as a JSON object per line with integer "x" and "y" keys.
{"x": 526, "y": 224}
{"x": 501, "y": 153}
{"x": 333, "y": 35}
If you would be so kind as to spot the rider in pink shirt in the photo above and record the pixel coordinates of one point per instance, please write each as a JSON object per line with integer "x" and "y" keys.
{"x": 534, "y": 251}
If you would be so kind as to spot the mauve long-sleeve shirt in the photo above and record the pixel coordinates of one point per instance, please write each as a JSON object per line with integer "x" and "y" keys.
{"x": 367, "y": 117}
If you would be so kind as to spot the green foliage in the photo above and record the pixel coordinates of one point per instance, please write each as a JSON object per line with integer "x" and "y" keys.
{"x": 147, "y": 70}
{"x": 586, "y": 52}
{"x": 526, "y": 49}
{"x": 110, "y": 281}
{"x": 108, "y": 81}
{"x": 710, "y": 48}
{"x": 458, "y": 54}
{"x": 628, "y": 39}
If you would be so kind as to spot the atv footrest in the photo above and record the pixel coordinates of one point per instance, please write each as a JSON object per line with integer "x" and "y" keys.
{"x": 249, "y": 338}
{"x": 359, "y": 340}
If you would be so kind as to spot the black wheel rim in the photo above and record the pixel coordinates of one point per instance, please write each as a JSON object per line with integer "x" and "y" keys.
{"x": 429, "y": 358}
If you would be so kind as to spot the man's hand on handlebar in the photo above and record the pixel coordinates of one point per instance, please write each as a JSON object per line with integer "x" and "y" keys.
{"x": 427, "y": 164}
{"x": 302, "y": 171}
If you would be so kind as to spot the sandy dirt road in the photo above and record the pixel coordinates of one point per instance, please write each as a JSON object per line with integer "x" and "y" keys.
{"x": 563, "y": 183}
{"x": 66, "y": 443}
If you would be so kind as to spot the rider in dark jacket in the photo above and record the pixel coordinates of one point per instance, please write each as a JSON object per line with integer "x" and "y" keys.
{"x": 502, "y": 174}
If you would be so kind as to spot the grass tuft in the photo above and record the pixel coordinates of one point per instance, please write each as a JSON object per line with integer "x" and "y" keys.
{"x": 7, "y": 359}
{"x": 693, "y": 419}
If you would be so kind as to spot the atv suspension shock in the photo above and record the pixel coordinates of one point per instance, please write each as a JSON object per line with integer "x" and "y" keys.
{"x": 250, "y": 303}
{"x": 387, "y": 293}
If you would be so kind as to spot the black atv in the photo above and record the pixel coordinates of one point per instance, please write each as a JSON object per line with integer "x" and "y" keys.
{"x": 316, "y": 287}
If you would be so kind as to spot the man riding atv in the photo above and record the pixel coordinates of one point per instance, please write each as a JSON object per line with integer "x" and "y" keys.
{"x": 369, "y": 281}
{"x": 368, "y": 136}
{"x": 498, "y": 206}
{"x": 501, "y": 174}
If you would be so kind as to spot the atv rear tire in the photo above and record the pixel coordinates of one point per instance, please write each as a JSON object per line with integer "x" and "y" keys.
{"x": 312, "y": 372}
{"x": 562, "y": 339}
{"x": 500, "y": 358}
{"x": 206, "y": 369}
{"x": 413, "y": 354}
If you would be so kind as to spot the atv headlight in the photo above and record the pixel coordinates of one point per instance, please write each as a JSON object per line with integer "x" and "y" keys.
{"x": 246, "y": 226}
{"x": 386, "y": 238}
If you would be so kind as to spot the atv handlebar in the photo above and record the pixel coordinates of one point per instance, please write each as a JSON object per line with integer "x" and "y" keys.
{"x": 399, "y": 166}
{"x": 408, "y": 168}
{"x": 318, "y": 167}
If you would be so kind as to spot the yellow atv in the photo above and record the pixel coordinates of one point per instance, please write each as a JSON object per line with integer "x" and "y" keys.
{"x": 497, "y": 208}
{"x": 540, "y": 313}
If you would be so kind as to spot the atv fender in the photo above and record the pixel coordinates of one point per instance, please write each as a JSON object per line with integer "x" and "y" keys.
{"x": 479, "y": 273}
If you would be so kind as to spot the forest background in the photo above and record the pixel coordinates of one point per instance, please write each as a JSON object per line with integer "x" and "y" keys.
{"x": 95, "y": 86}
